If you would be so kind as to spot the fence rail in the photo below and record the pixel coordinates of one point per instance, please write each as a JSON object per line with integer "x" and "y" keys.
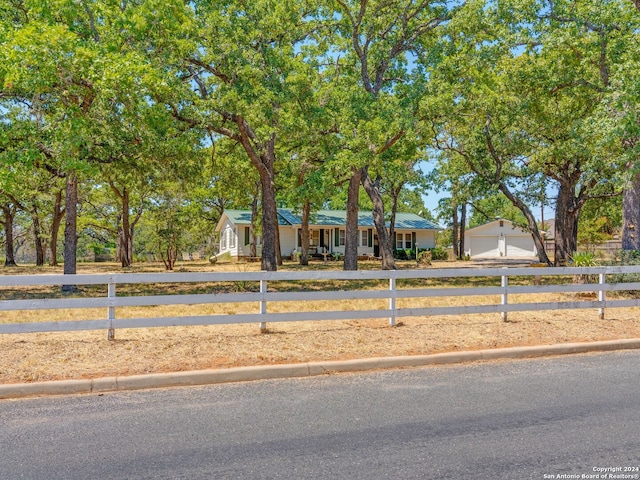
{"x": 608, "y": 281}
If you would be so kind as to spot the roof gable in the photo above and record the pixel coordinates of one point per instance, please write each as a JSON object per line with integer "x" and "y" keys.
{"x": 239, "y": 217}
{"x": 508, "y": 226}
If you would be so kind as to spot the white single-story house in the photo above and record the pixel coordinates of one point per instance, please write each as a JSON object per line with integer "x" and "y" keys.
{"x": 500, "y": 238}
{"x": 326, "y": 232}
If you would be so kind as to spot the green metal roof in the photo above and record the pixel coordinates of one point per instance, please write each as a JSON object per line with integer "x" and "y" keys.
{"x": 239, "y": 217}
{"x": 335, "y": 218}
{"x": 413, "y": 221}
{"x": 243, "y": 217}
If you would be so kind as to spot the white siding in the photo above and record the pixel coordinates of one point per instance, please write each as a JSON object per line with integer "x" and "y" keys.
{"x": 426, "y": 239}
{"x": 520, "y": 246}
{"x": 287, "y": 240}
{"x": 484, "y": 246}
{"x": 228, "y": 239}
{"x": 495, "y": 240}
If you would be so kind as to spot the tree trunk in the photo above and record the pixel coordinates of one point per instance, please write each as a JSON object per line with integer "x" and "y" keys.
{"x": 463, "y": 227}
{"x": 125, "y": 250}
{"x": 70, "y": 229}
{"x": 278, "y": 249}
{"x": 631, "y": 215}
{"x": 118, "y": 237}
{"x": 132, "y": 230}
{"x": 456, "y": 245}
{"x": 9, "y": 215}
{"x": 373, "y": 190}
{"x": 40, "y": 247}
{"x": 264, "y": 161}
{"x": 58, "y": 215}
{"x": 304, "y": 237}
{"x": 351, "y": 233}
{"x": 169, "y": 255}
{"x": 395, "y": 194}
{"x": 269, "y": 222}
{"x": 253, "y": 240}
{"x": 567, "y": 214}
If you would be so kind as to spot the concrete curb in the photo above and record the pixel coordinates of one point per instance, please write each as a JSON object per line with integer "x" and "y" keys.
{"x": 245, "y": 374}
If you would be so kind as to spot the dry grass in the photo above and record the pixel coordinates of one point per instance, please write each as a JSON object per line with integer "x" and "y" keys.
{"x": 50, "y": 356}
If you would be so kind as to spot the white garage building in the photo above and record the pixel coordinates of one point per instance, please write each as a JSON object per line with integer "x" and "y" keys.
{"x": 500, "y": 238}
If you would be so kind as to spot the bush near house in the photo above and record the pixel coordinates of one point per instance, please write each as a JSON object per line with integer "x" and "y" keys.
{"x": 404, "y": 254}
{"x": 437, "y": 253}
{"x": 624, "y": 258}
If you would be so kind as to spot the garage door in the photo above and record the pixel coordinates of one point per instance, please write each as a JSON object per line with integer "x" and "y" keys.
{"x": 484, "y": 246}
{"x": 520, "y": 247}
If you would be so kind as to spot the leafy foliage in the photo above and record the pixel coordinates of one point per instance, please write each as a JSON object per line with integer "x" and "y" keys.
{"x": 170, "y": 112}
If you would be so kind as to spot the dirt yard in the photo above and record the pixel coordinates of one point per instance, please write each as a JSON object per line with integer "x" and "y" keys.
{"x": 53, "y": 356}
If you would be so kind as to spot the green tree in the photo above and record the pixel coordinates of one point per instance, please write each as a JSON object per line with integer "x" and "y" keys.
{"x": 625, "y": 123}
{"x": 527, "y": 104}
{"x": 242, "y": 60}
{"x": 68, "y": 68}
{"x": 379, "y": 90}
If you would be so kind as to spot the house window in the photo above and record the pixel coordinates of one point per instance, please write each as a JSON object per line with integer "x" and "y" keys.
{"x": 223, "y": 241}
{"x": 364, "y": 238}
{"x": 232, "y": 238}
{"x": 314, "y": 237}
{"x": 342, "y": 237}
{"x": 404, "y": 240}
{"x": 501, "y": 223}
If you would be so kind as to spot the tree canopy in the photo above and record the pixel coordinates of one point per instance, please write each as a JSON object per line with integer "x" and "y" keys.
{"x": 116, "y": 115}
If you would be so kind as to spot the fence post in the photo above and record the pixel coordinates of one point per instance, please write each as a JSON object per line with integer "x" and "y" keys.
{"x": 263, "y": 304}
{"x": 504, "y": 284}
{"x": 111, "y": 311}
{"x": 392, "y": 301}
{"x": 601, "y": 297}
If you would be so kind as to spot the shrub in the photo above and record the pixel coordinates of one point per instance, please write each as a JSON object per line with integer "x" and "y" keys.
{"x": 400, "y": 254}
{"x": 439, "y": 253}
{"x": 584, "y": 259}
{"x": 628, "y": 257}
{"x": 623, "y": 258}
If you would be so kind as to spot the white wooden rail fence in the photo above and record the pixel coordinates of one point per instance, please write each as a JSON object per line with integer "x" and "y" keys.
{"x": 263, "y": 298}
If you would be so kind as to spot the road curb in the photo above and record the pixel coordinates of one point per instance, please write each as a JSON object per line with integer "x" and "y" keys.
{"x": 246, "y": 374}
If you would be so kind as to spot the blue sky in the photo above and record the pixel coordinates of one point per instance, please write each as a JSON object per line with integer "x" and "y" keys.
{"x": 432, "y": 197}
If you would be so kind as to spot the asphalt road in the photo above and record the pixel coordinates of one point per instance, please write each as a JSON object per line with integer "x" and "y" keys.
{"x": 529, "y": 419}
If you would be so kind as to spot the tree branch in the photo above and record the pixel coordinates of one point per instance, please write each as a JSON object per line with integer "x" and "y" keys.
{"x": 390, "y": 142}
{"x": 213, "y": 70}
